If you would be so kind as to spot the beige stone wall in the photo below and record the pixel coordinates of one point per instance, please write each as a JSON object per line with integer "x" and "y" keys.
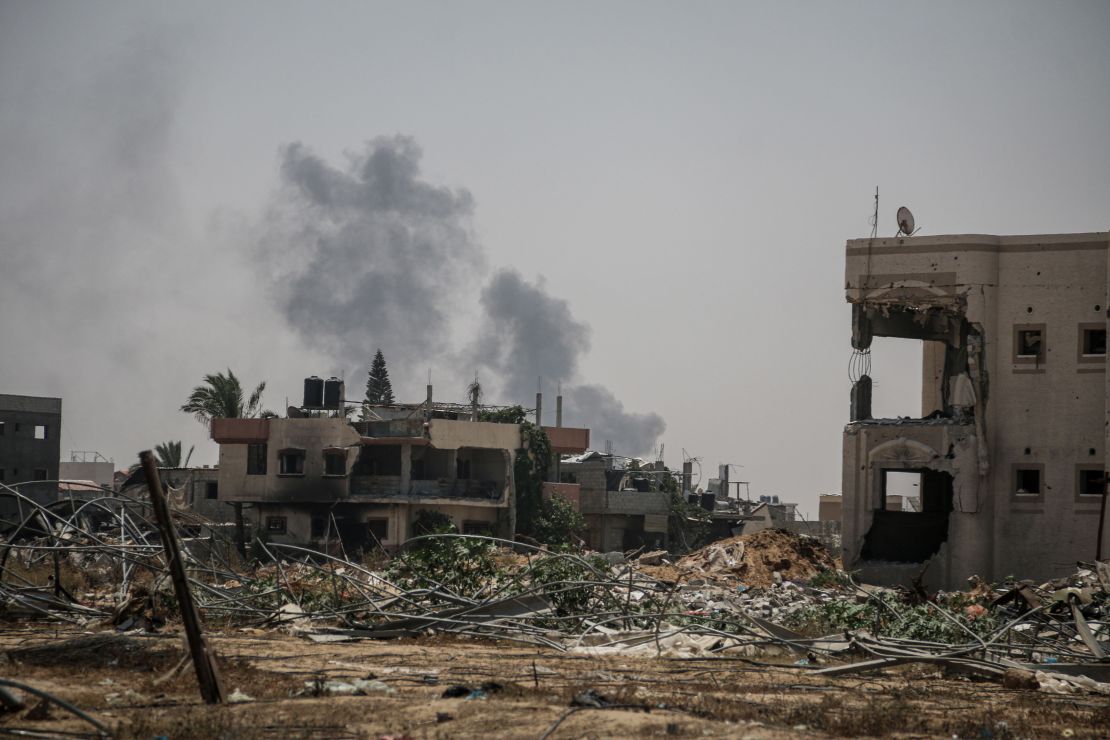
{"x": 448, "y": 434}
{"x": 311, "y": 435}
{"x": 1056, "y": 408}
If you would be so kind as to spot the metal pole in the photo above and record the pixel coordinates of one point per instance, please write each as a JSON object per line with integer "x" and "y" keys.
{"x": 204, "y": 661}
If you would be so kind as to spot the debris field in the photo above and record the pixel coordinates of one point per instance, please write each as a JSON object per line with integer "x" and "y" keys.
{"x": 460, "y": 635}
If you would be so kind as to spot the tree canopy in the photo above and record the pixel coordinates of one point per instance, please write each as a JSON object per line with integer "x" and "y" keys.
{"x": 221, "y": 397}
{"x": 168, "y": 455}
{"x": 379, "y": 391}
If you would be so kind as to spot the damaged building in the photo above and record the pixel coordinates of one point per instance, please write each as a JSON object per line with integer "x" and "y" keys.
{"x": 1008, "y": 448}
{"x": 30, "y": 434}
{"x": 623, "y": 508}
{"x": 317, "y": 477}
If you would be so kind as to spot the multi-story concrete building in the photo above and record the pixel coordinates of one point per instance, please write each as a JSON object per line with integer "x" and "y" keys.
{"x": 621, "y": 510}
{"x": 1009, "y": 444}
{"x": 30, "y": 434}
{"x": 311, "y": 479}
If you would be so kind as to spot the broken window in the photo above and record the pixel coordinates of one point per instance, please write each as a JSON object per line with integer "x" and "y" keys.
{"x": 1027, "y": 481}
{"x": 1091, "y": 482}
{"x": 896, "y": 378}
{"x": 319, "y": 527}
{"x": 909, "y": 533}
{"x": 568, "y": 477}
{"x": 335, "y": 462}
{"x": 1094, "y": 342}
{"x": 291, "y": 462}
{"x": 275, "y": 524}
{"x": 378, "y": 529}
{"x": 256, "y": 459}
{"x": 211, "y": 489}
{"x": 1029, "y": 342}
{"x": 40, "y": 431}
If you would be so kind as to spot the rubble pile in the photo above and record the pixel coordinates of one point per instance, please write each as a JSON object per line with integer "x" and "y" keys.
{"x": 773, "y": 593}
{"x": 759, "y": 560}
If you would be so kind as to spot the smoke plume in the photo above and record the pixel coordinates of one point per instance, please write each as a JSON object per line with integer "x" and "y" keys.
{"x": 370, "y": 255}
{"x": 528, "y": 334}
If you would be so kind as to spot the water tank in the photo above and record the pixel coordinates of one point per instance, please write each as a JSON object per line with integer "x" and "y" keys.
{"x": 333, "y": 393}
{"x": 313, "y": 392}
{"x": 709, "y": 501}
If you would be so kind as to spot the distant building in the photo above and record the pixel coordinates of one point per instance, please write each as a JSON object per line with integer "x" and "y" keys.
{"x": 88, "y": 466}
{"x": 317, "y": 477}
{"x": 621, "y": 510}
{"x": 30, "y": 433}
{"x": 1009, "y": 441}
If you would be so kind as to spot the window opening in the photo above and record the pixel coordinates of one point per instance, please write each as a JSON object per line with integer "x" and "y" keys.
{"x": 896, "y": 377}
{"x": 275, "y": 524}
{"x": 291, "y": 462}
{"x": 1028, "y": 481}
{"x": 1094, "y": 342}
{"x": 335, "y": 462}
{"x": 1029, "y": 342}
{"x": 915, "y": 531}
{"x": 1091, "y": 482}
{"x": 319, "y": 527}
{"x": 40, "y": 431}
{"x": 256, "y": 459}
{"x": 41, "y": 473}
{"x": 211, "y": 489}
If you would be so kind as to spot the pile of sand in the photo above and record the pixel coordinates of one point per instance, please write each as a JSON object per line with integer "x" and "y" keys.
{"x": 752, "y": 559}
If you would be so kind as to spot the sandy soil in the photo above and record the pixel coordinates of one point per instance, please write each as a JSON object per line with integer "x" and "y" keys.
{"x": 112, "y": 676}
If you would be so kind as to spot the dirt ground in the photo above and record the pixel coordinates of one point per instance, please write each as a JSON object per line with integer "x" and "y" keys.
{"x": 111, "y": 675}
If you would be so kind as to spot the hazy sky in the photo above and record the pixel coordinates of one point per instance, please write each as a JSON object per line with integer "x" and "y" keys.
{"x": 674, "y": 181}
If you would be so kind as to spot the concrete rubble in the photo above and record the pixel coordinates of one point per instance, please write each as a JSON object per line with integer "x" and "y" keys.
{"x": 772, "y": 596}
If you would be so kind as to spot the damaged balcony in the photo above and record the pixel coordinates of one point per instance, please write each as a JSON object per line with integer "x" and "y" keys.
{"x": 387, "y": 472}
{"x": 904, "y": 473}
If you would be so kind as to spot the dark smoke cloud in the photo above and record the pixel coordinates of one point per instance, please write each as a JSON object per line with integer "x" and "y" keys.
{"x": 596, "y": 407}
{"x": 527, "y": 334}
{"x": 370, "y": 255}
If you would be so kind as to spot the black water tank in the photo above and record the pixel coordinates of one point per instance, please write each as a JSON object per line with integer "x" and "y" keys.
{"x": 313, "y": 392}
{"x": 709, "y": 501}
{"x": 333, "y": 393}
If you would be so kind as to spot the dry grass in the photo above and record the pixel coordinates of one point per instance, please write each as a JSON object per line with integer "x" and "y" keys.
{"x": 112, "y": 676}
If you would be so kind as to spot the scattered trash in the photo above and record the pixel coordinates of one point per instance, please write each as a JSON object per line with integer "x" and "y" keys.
{"x": 590, "y": 698}
{"x": 238, "y": 697}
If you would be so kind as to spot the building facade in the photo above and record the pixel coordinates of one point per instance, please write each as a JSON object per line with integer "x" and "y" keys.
{"x": 30, "y": 447}
{"x": 1009, "y": 443}
{"x": 320, "y": 479}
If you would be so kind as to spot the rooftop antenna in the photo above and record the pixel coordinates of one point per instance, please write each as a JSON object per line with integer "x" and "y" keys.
{"x": 905, "y": 222}
{"x": 874, "y": 220}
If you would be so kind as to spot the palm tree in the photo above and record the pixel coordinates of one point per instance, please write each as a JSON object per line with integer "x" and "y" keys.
{"x": 169, "y": 455}
{"x": 221, "y": 397}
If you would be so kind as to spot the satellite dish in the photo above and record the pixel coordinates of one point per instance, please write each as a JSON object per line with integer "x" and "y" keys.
{"x": 905, "y": 221}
